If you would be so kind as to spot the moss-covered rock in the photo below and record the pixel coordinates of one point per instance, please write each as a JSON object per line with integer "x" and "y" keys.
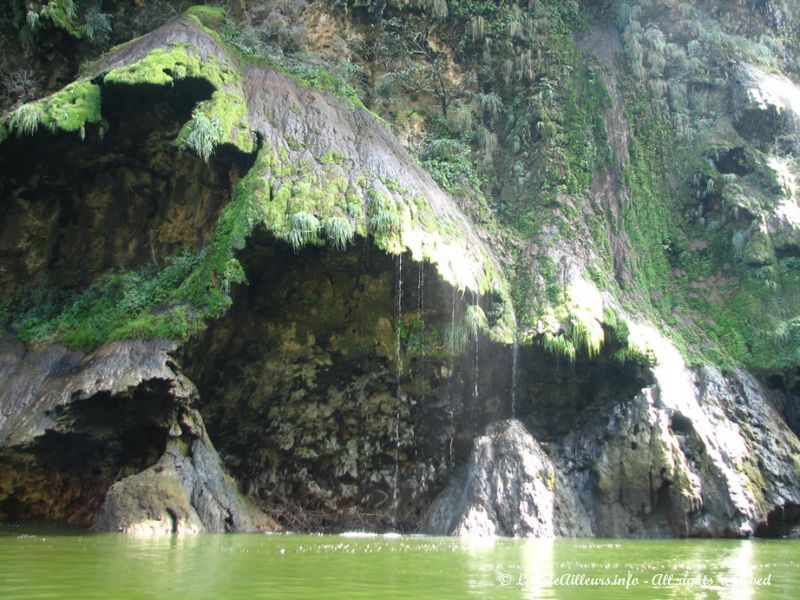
{"x": 759, "y": 251}
{"x": 68, "y": 110}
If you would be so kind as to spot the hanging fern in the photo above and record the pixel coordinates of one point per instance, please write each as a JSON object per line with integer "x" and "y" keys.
{"x": 304, "y": 228}
{"x": 339, "y": 232}
{"x": 205, "y": 135}
{"x": 26, "y": 119}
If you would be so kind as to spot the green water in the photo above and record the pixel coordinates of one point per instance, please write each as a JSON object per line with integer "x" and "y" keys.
{"x": 50, "y": 564}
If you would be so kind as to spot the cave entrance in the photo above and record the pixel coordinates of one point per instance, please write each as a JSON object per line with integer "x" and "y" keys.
{"x": 328, "y": 384}
{"x": 339, "y": 399}
{"x": 785, "y": 395}
{"x": 123, "y": 197}
{"x": 63, "y": 476}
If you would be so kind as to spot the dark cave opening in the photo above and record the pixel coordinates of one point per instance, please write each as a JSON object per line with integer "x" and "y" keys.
{"x": 734, "y": 160}
{"x": 301, "y": 390}
{"x": 556, "y": 396}
{"x": 785, "y": 395}
{"x": 123, "y": 197}
{"x": 780, "y": 521}
{"x": 63, "y": 476}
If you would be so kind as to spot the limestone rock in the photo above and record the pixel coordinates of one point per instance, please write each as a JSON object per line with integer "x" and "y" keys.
{"x": 181, "y": 493}
{"x": 40, "y": 379}
{"x": 509, "y": 487}
{"x": 698, "y": 453}
{"x": 766, "y": 105}
{"x": 71, "y": 425}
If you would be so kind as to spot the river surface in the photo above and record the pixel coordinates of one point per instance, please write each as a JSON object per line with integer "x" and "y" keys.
{"x": 49, "y": 563}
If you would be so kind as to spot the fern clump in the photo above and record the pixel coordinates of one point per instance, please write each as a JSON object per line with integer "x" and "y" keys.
{"x": 26, "y": 119}
{"x": 339, "y": 232}
{"x": 585, "y": 333}
{"x": 475, "y": 321}
{"x": 205, "y": 135}
{"x": 383, "y": 217}
{"x": 558, "y": 345}
{"x": 97, "y": 24}
{"x": 456, "y": 338}
{"x": 304, "y": 228}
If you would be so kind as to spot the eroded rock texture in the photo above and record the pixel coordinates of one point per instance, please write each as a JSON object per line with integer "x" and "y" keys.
{"x": 74, "y": 424}
{"x": 697, "y": 453}
{"x": 510, "y": 487}
{"x": 347, "y": 333}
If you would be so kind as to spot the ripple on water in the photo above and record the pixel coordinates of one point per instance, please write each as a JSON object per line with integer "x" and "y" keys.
{"x": 366, "y": 565}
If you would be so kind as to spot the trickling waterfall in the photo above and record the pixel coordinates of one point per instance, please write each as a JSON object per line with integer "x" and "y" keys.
{"x": 421, "y": 304}
{"x": 398, "y": 357}
{"x": 452, "y": 353}
{"x": 514, "y": 356}
{"x": 475, "y": 408}
{"x": 420, "y": 283}
{"x": 399, "y": 314}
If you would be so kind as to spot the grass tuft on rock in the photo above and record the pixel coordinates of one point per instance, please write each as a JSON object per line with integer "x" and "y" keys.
{"x": 339, "y": 232}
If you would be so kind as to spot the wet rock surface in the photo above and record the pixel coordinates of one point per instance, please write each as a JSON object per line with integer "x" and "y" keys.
{"x": 697, "y": 454}
{"x": 328, "y": 387}
{"x": 186, "y": 491}
{"x": 74, "y": 424}
{"x": 509, "y": 487}
{"x": 766, "y": 105}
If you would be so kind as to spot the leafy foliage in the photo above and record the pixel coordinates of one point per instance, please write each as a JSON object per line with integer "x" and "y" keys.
{"x": 339, "y": 232}
{"x": 304, "y": 228}
{"x": 119, "y": 305}
{"x": 205, "y": 135}
{"x": 26, "y": 119}
{"x": 79, "y": 19}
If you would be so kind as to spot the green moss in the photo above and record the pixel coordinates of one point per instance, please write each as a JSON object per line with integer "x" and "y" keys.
{"x": 289, "y": 198}
{"x": 383, "y": 217}
{"x": 575, "y": 322}
{"x": 213, "y": 17}
{"x": 759, "y": 250}
{"x": 69, "y": 110}
{"x": 585, "y": 142}
{"x": 163, "y": 66}
{"x": 558, "y": 345}
{"x": 74, "y": 106}
{"x": 227, "y": 104}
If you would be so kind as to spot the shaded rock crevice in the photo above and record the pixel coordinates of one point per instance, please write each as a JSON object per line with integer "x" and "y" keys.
{"x": 121, "y": 196}
{"x": 73, "y": 425}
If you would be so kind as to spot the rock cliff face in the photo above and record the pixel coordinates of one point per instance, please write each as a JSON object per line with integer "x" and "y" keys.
{"x": 553, "y": 296}
{"x": 74, "y": 424}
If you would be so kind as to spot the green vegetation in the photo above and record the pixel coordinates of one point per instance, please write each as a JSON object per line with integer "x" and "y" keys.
{"x": 383, "y": 215}
{"x": 339, "y": 232}
{"x": 205, "y": 135}
{"x": 508, "y": 116}
{"x": 227, "y": 105}
{"x": 119, "y": 305}
{"x": 304, "y": 229}
{"x": 26, "y": 119}
{"x": 80, "y": 19}
{"x": 69, "y": 110}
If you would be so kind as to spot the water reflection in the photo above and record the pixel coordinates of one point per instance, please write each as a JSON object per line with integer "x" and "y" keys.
{"x": 302, "y": 567}
{"x": 537, "y": 558}
{"x": 736, "y": 581}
